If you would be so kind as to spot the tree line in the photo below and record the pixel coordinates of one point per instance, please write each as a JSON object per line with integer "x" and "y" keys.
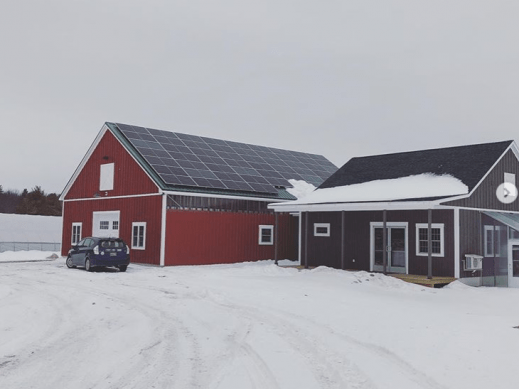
{"x": 35, "y": 202}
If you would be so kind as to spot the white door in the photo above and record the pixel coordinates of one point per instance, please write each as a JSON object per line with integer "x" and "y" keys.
{"x": 397, "y": 254}
{"x": 106, "y": 224}
{"x": 513, "y": 263}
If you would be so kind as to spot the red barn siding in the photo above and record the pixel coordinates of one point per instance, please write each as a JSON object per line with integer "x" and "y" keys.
{"x": 137, "y": 209}
{"x": 129, "y": 177}
{"x": 198, "y": 237}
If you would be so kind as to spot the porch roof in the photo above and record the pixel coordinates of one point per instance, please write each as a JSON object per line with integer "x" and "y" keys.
{"x": 511, "y": 220}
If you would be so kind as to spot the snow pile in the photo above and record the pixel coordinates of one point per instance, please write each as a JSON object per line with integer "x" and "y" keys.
{"x": 30, "y": 228}
{"x": 22, "y": 256}
{"x": 418, "y": 186}
{"x": 300, "y": 188}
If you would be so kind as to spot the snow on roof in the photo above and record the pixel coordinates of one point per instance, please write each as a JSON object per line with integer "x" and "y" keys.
{"x": 411, "y": 187}
{"x": 300, "y": 188}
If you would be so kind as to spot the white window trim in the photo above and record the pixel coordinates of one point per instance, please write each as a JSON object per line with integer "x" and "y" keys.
{"x": 139, "y": 224}
{"x": 442, "y": 239}
{"x": 488, "y": 229}
{"x": 264, "y": 227}
{"x": 320, "y": 225}
{"x": 495, "y": 250}
{"x": 106, "y": 176}
{"x": 80, "y": 225}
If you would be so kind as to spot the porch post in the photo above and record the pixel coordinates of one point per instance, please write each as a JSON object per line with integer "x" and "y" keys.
{"x": 276, "y": 238}
{"x": 384, "y": 240}
{"x": 429, "y": 246}
{"x": 342, "y": 241}
{"x": 306, "y": 240}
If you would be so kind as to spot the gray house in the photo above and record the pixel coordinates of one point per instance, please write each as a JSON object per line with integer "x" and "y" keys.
{"x": 449, "y": 212}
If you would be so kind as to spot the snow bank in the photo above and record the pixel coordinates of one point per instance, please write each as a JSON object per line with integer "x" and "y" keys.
{"x": 418, "y": 186}
{"x": 300, "y": 188}
{"x": 21, "y": 256}
{"x": 30, "y": 228}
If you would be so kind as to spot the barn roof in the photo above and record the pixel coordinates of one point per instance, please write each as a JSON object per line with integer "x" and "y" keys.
{"x": 469, "y": 164}
{"x": 182, "y": 162}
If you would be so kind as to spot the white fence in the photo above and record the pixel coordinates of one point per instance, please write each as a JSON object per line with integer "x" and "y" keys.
{"x": 26, "y": 246}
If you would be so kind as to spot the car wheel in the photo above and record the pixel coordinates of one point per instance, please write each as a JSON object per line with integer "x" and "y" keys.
{"x": 69, "y": 262}
{"x": 123, "y": 268}
{"x": 88, "y": 266}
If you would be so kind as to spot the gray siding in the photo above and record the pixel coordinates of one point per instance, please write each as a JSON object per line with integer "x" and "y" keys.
{"x": 326, "y": 251}
{"x": 484, "y": 196}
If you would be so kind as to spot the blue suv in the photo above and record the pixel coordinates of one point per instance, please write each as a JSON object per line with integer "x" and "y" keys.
{"x": 99, "y": 252}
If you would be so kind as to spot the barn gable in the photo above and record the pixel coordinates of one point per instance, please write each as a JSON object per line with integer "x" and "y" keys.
{"x": 107, "y": 154}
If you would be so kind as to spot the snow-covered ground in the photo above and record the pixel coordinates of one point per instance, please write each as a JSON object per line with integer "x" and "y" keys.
{"x": 28, "y": 256}
{"x": 251, "y": 325}
{"x": 29, "y": 228}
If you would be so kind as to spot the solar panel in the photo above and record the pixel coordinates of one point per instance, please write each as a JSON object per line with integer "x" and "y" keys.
{"x": 194, "y": 161}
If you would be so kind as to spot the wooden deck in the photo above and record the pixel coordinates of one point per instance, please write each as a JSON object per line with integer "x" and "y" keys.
{"x": 435, "y": 282}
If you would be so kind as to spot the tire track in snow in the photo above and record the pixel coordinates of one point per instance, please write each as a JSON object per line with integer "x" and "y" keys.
{"x": 310, "y": 343}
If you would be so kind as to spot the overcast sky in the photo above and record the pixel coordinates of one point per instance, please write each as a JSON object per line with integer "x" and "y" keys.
{"x": 338, "y": 78}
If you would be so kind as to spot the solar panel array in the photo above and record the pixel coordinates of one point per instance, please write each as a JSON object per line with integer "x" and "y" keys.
{"x": 194, "y": 161}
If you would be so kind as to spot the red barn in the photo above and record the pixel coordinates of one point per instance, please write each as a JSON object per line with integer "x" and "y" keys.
{"x": 180, "y": 199}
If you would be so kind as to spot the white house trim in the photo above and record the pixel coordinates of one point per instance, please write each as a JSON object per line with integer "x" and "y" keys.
{"x": 439, "y": 226}
{"x": 457, "y": 243}
{"x": 332, "y": 207}
{"x": 113, "y": 197}
{"x": 163, "y": 230}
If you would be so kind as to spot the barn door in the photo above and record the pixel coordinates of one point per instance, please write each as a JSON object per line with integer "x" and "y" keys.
{"x": 106, "y": 224}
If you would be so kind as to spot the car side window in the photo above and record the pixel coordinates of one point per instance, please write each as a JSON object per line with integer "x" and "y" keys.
{"x": 82, "y": 243}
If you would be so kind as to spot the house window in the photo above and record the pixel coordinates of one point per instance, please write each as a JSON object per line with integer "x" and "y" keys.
{"x": 321, "y": 229}
{"x": 510, "y": 178}
{"x": 106, "y": 179}
{"x": 437, "y": 239}
{"x": 115, "y": 225}
{"x": 139, "y": 235}
{"x": 76, "y": 232}
{"x": 104, "y": 225}
{"x": 266, "y": 235}
{"x": 492, "y": 241}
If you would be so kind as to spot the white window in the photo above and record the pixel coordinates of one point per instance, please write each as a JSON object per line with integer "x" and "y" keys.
{"x": 139, "y": 235}
{"x": 437, "y": 239}
{"x": 115, "y": 225}
{"x": 76, "y": 232}
{"x": 104, "y": 225}
{"x": 321, "y": 229}
{"x": 266, "y": 235}
{"x": 492, "y": 243}
{"x": 510, "y": 178}
{"x": 106, "y": 179}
